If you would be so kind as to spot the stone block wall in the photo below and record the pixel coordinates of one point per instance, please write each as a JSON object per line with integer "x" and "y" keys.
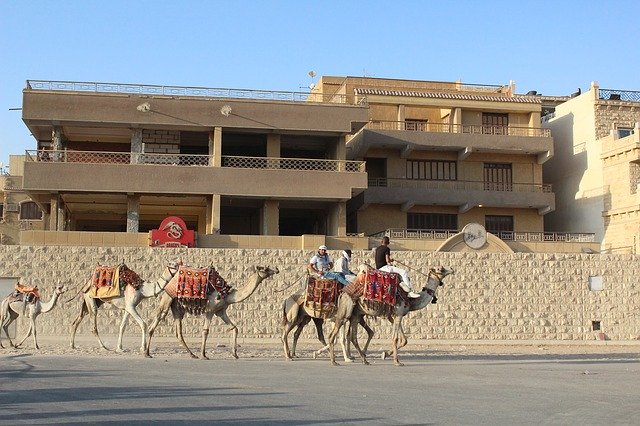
{"x": 491, "y": 296}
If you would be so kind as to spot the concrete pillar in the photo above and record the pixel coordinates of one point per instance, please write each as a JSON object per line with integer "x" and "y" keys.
{"x": 270, "y": 217}
{"x": 337, "y": 220}
{"x": 456, "y": 120}
{"x": 273, "y": 145}
{"x": 136, "y": 145}
{"x": 53, "y": 212}
{"x": 215, "y": 147}
{"x": 133, "y": 213}
{"x": 401, "y": 117}
{"x": 57, "y": 143}
{"x": 213, "y": 214}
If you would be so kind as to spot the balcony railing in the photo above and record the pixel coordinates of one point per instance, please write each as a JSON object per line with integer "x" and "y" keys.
{"x": 419, "y": 126}
{"x": 95, "y": 157}
{"x": 619, "y": 95}
{"x": 459, "y": 185}
{"x": 208, "y": 92}
{"x": 440, "y": 234}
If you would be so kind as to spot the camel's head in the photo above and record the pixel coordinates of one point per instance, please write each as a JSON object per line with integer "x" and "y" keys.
{"x": 266, "y": 272}
{"x": 171, "y": 269}
{"x": 439, "y": 273}
{"x": 60, "y": 289}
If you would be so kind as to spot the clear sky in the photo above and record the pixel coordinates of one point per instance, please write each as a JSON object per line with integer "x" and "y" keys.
{"x": 553, "y": 47}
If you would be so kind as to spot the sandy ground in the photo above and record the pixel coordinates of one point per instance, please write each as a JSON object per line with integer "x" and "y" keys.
{"x": 272, "y": 349}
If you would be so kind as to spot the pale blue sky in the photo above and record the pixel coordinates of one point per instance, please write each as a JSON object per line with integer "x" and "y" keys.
{"x": 553, "y": 47}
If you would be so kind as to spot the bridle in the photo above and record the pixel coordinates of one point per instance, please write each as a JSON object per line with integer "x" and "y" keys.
{"x": 173, "y": 270}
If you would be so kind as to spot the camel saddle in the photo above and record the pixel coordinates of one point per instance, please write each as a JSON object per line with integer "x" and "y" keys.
{"x": 321, "y": 297}
{"x": 109, "y": 281}
{"x": 25, "y": 293}
{"x": 381, "y": 290}
{"x": 192, "y": 286}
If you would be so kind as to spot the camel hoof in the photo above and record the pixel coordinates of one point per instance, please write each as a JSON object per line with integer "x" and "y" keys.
{"x": 384, "y": 355}
{"x": 348, "y": 360}
{"x": 315, "y": 355}
{"x": 365, "y": 362}
{"x": 147, "y": 355}
{"x": 204, "y": 357}
{"x": 235, "y": 356}
{"x": 335, "y": 363}
{"x": 398, "y": 364}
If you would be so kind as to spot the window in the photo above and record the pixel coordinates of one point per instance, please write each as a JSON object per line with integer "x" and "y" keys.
{"x": 1, "y": 211}
{"x": 497, "y": 224}
{"x": 495, "y": 124}
{"x": 623, "y": 132}
{"x": 431, "y": 170}
{"x": 416, "y": 125}
{"x": 432, "y": 221}
{"x": 497, "y": 177}
{"x": 30, "y": 211}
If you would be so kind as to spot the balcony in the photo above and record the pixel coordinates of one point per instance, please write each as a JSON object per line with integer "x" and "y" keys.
{"x": 409, "y": 136}
{"x": 463, "y": 194}
{"x": 125, "y": 172}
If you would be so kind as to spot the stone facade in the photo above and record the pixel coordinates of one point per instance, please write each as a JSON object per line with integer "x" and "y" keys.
{"x": 491, "y": 296}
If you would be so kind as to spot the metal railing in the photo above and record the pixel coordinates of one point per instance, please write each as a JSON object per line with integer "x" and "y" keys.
{"x": 419, "y": 126}
{"x": 294, "y": 164}
{"x": 209, "y": 92}
{"x": 459, "y": 185}
{"x": 443, "y": 234}
{"x": 96, "y": 157}
{"x": 619, "y": 95}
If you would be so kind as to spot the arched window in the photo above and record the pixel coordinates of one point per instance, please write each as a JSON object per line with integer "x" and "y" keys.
{"x": 30, "y": 211}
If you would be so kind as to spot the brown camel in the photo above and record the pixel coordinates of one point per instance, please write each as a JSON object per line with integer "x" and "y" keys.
{"x": 215, "y": 305}
{"x": 353, "y": 311}
{"x": 11, "y": 309}
{"x": 296, "y": 315}
{"x": 127, "y": 301}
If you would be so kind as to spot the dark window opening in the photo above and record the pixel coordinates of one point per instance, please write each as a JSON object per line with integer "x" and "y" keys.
{"x": 432, "y": 221}
{"x": 498, "y": 177}
{"x": 296, "y": 222}
{"x": 30, "y": 211}
{"x": 239, "y": 220}
{"x": 431, "y": 170}
{"x": 495, "y": 124}
{"x": 496, "y": 224}
{"x": 376, "y": 171}
{"x": 595, "y": 325}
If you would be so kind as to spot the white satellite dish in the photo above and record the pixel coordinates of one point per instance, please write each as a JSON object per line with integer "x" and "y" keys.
{"x": 145, "y": 107}
{"x": 225, "y": 110}
{"x": 312, "y": 73}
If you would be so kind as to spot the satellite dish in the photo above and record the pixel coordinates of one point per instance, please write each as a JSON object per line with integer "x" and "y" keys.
{"x": 311, "y": 86}
{"x": 312, "y": 73}
{"x": 225, "y": 110}
{"x": 145, "y": 107}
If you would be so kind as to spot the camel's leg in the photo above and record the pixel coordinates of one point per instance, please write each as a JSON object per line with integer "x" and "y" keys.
{"x": 296, "y": 334}
{"x": 285, "y": 339}
{"x": 180, "y": 337}
{"x": 160, "y": 314}
{"x": 354, "y": 338}
{"x": 402, "y": 341}
{"x": 205, "y": 333}
{"x": 318, "y": 323}
{"x": 76, "y": 322}
{"x": 29, "y": 333}
{"x": 123, "y": 324}
{"x": 344, "y": 332}
{"x": 12, "y": 316}
{"x": 332, "y": 340}
{"x": 397, "y": 325}
{"x": 369, "y": 331}
{"x": 131, "y": 310}
{"x": 94, "y": 317}
{"x": 234, "y": 332}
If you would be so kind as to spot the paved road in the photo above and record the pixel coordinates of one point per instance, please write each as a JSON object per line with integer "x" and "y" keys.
{"x": 476, "y": 389}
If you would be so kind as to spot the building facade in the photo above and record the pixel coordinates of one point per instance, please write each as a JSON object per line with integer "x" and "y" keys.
{"x": 441, "y": 155}
{"x": 120, "y": 158}
{"x": 596, "y": 167}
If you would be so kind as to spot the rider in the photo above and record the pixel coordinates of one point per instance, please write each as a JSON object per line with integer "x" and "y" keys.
{"x": 321, "y": 264}
{"x": 342, "y": 266}
{"x": 383, "y": 263}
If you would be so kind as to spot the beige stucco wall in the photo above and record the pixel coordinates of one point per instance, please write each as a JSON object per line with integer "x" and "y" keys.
{"x": 491, "y": 296}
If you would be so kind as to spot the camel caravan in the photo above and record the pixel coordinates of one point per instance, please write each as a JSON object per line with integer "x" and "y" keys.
{"x": 331, "y": 293}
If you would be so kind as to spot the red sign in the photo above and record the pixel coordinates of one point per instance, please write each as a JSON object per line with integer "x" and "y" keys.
{"x": 173, "y": 232}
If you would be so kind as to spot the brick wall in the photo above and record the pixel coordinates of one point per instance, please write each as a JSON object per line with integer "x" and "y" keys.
{"x": 521, "y": 296}
{"x": 161, "y": 141}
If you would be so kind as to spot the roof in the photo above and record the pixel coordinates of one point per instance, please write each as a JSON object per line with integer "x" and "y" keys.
{"x": 449, "y": 95}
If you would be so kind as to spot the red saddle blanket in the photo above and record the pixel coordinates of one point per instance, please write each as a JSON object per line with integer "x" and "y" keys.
{"x": 103, "y": 276}
{"x": 107, "y": 281}
{"x": 321, "y": 297}
{"x": 381, "y": 287}
{"x": 196, "y": 283}
{"x": 25, "y": 293}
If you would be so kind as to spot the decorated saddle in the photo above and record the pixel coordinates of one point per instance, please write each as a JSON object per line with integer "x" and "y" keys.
{"x": 25, "y": 293}
{"x": 381, "y": 290}
{"x": 321, "y": 297}
{"x": 109, "y": 281}
{"x": 192, "y": 286}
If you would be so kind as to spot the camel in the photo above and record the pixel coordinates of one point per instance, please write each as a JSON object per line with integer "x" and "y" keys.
{"x": 215, "y": 305}
{"x": 127, "y": 301}
{"x": 10, "y": 310}
{"x": 354, "y": 311}
{"x": 295, "y": 315}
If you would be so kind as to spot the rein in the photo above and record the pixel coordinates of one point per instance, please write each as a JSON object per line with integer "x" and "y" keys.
{"x": 157, "y": 282}
{"x": 290, "y": 285}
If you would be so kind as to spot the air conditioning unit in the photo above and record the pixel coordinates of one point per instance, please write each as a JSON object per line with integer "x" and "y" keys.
{"x": 13, "y": 207}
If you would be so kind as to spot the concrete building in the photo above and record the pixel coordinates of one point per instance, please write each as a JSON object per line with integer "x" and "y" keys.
{"x": 596, "y": 169}
{"x": 120, "y": 158}
{"x": 441, "y": 155}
